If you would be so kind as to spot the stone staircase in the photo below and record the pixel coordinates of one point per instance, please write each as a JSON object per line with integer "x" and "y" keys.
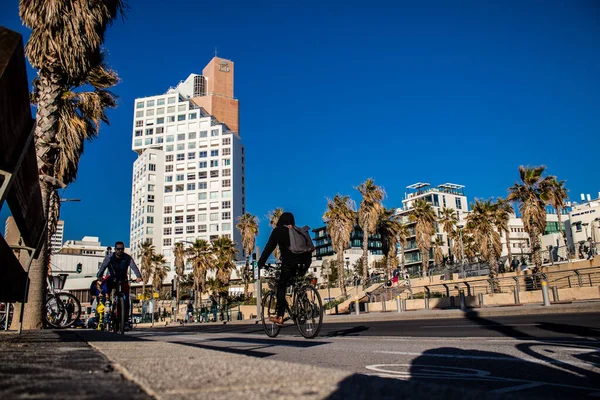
{"x": 343, "y": 308}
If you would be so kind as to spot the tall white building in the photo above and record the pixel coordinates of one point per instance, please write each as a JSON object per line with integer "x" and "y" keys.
{"x": 58, "y": 237}
{"x": 188, "y": 179}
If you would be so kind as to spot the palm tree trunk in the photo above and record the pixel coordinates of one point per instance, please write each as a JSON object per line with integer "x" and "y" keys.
{"x": 506, "y": 233}
{"x": 177, "y": 295}
{"x": 493, "y": 263}
{"x": 341, "y": 278}
{"x": 560, "y": 225}
{"x": 535, "y": 250}
{"x": 365, "y": 256}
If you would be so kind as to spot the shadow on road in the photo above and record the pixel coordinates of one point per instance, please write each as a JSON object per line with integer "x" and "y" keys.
{"x": 454, "y": 373}
{"x": 354, "y": 331}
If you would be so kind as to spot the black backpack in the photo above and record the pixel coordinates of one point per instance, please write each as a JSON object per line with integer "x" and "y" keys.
{"x": 300, "y": 240}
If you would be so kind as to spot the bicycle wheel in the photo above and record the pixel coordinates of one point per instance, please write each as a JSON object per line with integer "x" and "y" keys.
{"x": 72, "y": 308}
{"x": 269, "y": 310}
{"x": 309, "y": 312}
{"x": 121, "y": 315}
{"x": 54, "y": 312}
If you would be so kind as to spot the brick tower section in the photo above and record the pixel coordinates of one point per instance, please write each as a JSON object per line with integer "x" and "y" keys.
{"x": 219, "y": 100}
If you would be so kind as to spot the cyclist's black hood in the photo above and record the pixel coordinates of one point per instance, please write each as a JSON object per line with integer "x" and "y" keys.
{"x": 287, "y": 218}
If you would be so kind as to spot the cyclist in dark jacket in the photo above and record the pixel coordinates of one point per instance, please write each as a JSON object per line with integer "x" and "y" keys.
{"x": 291, "y": 264}
{"x": 118, "y": 264}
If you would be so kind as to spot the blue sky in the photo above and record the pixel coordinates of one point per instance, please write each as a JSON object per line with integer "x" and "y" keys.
{"x": 333, "y": 92}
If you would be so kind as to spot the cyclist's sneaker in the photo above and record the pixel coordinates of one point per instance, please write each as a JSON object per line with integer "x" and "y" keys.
{"x": 276, "y": 320}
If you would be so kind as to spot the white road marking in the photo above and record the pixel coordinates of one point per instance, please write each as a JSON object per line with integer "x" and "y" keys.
{"x": 517, "y": 388}
{"x": 469, "y": 357}
{"x": 438, "y": 372}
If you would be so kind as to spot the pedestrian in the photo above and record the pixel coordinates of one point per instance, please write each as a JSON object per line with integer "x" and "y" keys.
{"x": 590, "y": 248}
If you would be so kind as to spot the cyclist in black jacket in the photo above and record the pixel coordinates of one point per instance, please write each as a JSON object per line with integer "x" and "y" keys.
{"x": 118, "y": 264}
{"x": 291, "y": 264}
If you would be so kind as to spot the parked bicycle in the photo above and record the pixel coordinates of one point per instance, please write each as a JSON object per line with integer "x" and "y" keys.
{"x": 6, "y": 314}
{"x": 305, "y": 309}
{"x": 62, "y": 309}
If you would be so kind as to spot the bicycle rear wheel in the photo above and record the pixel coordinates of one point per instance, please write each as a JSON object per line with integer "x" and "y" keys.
{"x": 54, "y": 312}
{"x": 309, "y": 312}
{"x": 269, "y": 309}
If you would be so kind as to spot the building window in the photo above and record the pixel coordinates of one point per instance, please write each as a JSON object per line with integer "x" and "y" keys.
{"x": 171, "y": 118}
{"x": 150, "y": 209}
{"x": 214, "y": 227}
{"x": 171, "y": 100}
{"x": 226, "y": 141}
{"x": 458, "y": 203}
{"x": 169, "y": 178}
{"x": 179, "y": 219}
{"x": 226, "y": 162}
{"x": 201, "y": 185}
{"x": 168, "y": 188}
{"x": 139, "y": 104}
{"x": 226, "y": 226}
{"x": 139, "y": 124}
{"x": 214, "y": 153}
{"x": 191, "y": 155}
{"x": 214, "y": 132}
{"x": 191, "y": 186}
{"x": 226, "y": 204}
{"x": 151, "y": 188}
{"x": 214, "y": 163}
{"x": 160, "y": 120}
{"x": 181, "y": 157}
{"x": 160, "y": 130}
{"x": 191, "y": 177}
{"x": 201, "y": 228}
{"x": 202, "y": 196}
{"x": 150, "y": 198}
{"x": 226, "y": 215}
{"x": 202, "y": 154}
{"x": 168, "y": 209}
{"x": 202, "y": 175}
{"x": 179, "y": 177}
{"x": 214, "y": 173}
{"x": 226, "y": 172}
{"x": 169, "y": 168}
{"x": 179, "y": 188}
{"x": 179, "y": 230}
{"x": 226, "y": 183}
{"x": 190, "y": 218}
{"x": 151, "y": 167}
{"x": 167, "y": 231}
{"x": 149, "y": 220}
{"x": 169, "y": 158}
{"x": 166, "y": 242}
{"x": 167, "y": 220}
{"x": 202, "y": 164}
{"x": 138, "y": 133}
{"x": 181, "y": 117}
{"x": 190, "y": 229}
{"x": 227, "y": 151}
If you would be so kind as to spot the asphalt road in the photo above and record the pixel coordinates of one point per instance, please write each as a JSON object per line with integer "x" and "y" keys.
{"x": 546, "y": 356}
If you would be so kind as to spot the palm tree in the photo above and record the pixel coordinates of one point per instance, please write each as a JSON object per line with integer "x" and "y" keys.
{"x": 200, "y": 256}
{"x": 368, "y": 213}
{"x": 160, "y": 271}
{"x": 504, "y": 210}
{"x": 448, "y": 220}
{"x": 481, "y": 223}
{"x": 388, "y": 227}
{"x": 148, "y": 253}
{"x": 438, "y": 252}
{"x": 179, "y": 252}
{"x": 424, "y": 216}
{"x": 340, "y": 218}
{"x": 248, "y": 227}
{"x": 273, "y": 217}
{"x": 403, "y": 235}
{"x": 532, "y": 194}
{"x": 65, "y": 48}
{"x": 224, "y": 251}
{"x": 558, "y": 196}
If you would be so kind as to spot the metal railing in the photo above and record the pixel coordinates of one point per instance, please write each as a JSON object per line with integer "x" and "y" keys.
{"x": 580, "y": 277}
{"x": 559, "y": 254}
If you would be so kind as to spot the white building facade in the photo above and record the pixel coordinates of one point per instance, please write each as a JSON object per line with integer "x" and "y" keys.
{"x": 188, "y": 180}
{"x": 56, "y": 241}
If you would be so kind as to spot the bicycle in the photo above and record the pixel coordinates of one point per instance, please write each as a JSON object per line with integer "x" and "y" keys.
{"x": 6, "y": 315}
{"x": 62, "y": 309}
{"x": 306, "y": 306}
{"x": 117, "y": 314}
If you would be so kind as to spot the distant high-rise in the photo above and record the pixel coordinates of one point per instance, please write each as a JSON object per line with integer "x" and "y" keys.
{"x": 58, "y": 237}
{"x": 188, "y": 179}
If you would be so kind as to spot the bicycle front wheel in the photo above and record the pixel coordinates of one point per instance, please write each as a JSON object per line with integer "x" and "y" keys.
{"x": 309, "y": 312}
{"x": 72, "y": 308}
{"x": 61, "y": 310}
{"x": 121, "y": 315}
{"x": 269, "y": 309}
